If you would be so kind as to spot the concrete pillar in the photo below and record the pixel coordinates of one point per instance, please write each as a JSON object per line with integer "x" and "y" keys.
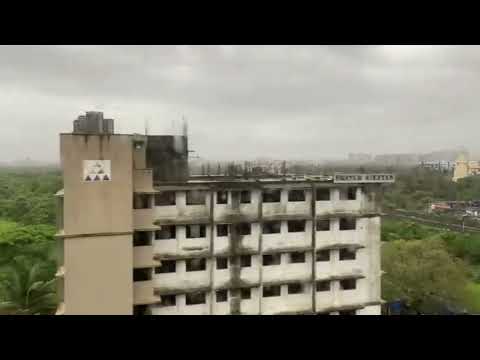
{"x": 334, "y": 194}
{"x": 284, "y": 197}
{"x": 181, "y": 232}
{"x": 181, "y": 266}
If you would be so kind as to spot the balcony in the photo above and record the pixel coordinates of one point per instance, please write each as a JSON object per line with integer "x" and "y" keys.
{"x": 143, "y": 257}
{"x": 181, "y": 281}
{"x": 246, "y": 275}
{"x": 286, "y": 240}
{"x": 143, "y": 219}
{"x": 289, "y": 303}
{"x": 287, "y": 272}
{"x": 248, "y": 243}
{"x": 143, "y": 180}
{"x": 324, "y": 300}
{"x": 236, "y": 211}
{"x": 143, "y": 293}
{"x": 345, "y": 298}
{"x": 326, "y": 208}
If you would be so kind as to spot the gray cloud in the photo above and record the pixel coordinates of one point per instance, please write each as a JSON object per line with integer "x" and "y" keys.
{"x": 246, "y": 101}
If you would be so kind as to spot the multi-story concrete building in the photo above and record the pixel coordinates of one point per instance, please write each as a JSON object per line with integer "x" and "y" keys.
{"x": 465, "y": 167}
{"x": 137, "y": 235}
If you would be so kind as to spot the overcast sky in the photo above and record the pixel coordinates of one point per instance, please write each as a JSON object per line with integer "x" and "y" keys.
{"x": 242, "y": 102}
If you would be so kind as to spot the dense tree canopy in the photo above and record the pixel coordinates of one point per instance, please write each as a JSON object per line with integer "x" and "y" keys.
{"x": 423, "y": 274}
{"x": 27, "y": 196}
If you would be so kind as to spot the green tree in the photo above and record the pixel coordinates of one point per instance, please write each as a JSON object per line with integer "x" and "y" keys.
{"x": 36, "y": 242}
{"x": 423, "y": 274}
{"x": 27, "y": 288}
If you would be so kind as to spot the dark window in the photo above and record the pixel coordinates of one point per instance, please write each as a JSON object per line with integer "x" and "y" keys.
{"x": 141, "y": 238}
{"x": 222, "y": 197}
{"x": 196, "y": 197}
{"x": 347, "y": 312}
{"x": 245, "y": 197}
{"x": 195, "y": 298}
{"x": 295, "y": 288}
{"x": 245, "y": 261}
{"x": 168, "y": 300}
{"x": 270, "y": 291}
{"x": 195, "y": 231}
{"x": 196, "y": 265}
{"x": 348, "y": 223}
{"x": 271, "y": 259}
{"x": 222, "y": 263}
{"x": 167, "y": 266}
{"x": 142, "y": 274}
{"x": 165, "y": 198}
{"x": 297, "y": 257}
{"x": 348, "y": 193}
{"x": 351, "y": 193}
{"x": 141, "y": 201}
{"x": 222, "y": 230}
{"x": 222, "y": 295}
{"x": 166, "y": 232}
{"x": 245, "y": 294}
{"x": 140, "y": 310}
{"x": 244, "y": 228}
{"x": 271, "y": 196}
{"x": 347, "y": 254}
{"x": 296, "y": 225}
{"x": 322, "y": 255}
{"x": 348, "y": 284}
{"x": 323, "y": 194}
{"x": 296, "y": 195}
{"x": 271, "y": 227}
{"x": 323, "y": 225}
{"x": 323, "y": 286}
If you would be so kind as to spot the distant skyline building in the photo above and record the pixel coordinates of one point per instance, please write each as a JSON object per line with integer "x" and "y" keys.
{"x": 465, "y": 167}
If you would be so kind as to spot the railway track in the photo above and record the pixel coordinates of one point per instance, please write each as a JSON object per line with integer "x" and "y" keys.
{"x": 414, "y": 217}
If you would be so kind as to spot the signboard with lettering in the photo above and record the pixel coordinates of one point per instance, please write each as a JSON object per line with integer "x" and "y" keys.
{"x": 363, "y": 178}
{"x": 97, "y": 170}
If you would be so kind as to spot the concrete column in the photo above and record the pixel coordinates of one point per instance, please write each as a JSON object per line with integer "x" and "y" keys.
{"x": 181, "y": 199}
{"x": 181, "y": 232}
{"x": 334, "y": 224}
{"x": 284, "y": 227}
{"x": 334, "y": 194}
{"x": 181, "y": 266}
{"x": 284, "y": 197}
{"x": 284, "y": 290}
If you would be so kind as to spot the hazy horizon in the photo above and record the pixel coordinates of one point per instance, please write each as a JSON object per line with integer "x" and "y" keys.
{"x": 244, "y": 102}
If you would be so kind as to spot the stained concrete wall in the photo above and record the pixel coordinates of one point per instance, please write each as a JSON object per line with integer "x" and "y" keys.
{"x": 365, "y": 267}
{"x": 97, "y": 231}
{"x": 98, "y": 275}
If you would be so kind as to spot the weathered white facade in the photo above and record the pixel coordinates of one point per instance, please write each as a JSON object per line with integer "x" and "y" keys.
{"x": 311, "y": 255}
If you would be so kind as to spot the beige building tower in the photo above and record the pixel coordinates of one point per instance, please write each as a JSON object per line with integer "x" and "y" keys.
{"x": 465, "y": 167}
{"x": 138, "y": 235}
